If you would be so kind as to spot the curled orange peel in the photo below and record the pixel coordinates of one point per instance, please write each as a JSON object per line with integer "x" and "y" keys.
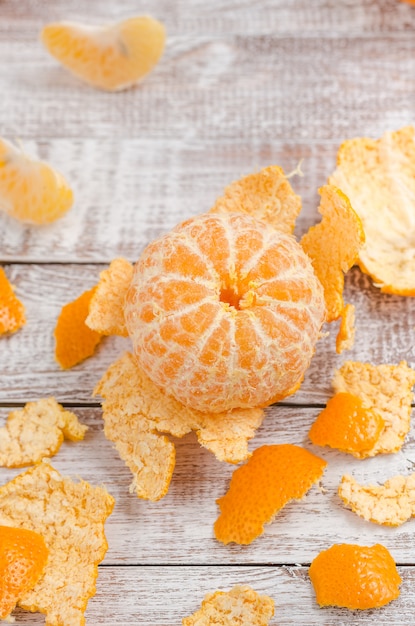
{"x": 347, "y": 425}
{"x": 379, "y": 178}
{"x": 355, "y": 577}
{"x": 346, "y": 335}
{"x": 12, "y": 311}
{"x": 272, "y": 477}
{"x": 74, "y": 340}
{"x": 333, "y": 246}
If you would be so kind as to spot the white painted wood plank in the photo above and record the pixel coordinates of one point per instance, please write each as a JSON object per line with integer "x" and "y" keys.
{"x": 164, "y": 595}
{"x": 384, "y": 334}
{"x": 179, "y": 528}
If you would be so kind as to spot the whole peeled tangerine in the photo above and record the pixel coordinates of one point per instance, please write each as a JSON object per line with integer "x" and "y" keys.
{"x": 224, "y": 312}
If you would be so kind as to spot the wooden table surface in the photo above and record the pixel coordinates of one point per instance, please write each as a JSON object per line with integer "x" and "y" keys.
{"x": 241, "y": 85}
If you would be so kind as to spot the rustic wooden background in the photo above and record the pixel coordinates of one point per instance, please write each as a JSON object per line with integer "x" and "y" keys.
{"x": 241, "y": 85}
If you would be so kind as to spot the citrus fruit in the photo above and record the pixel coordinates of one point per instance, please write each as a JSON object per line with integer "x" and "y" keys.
{"x": 75, "y": 341}
{"x": 378, "y": 176}
{"x": 272, "y": 477}
{"x": 224, "y": 312}
{"x": 23, "y": 557}
{"x": 347, "y": 425}
{"x": 355, "y": 577}
{"x": 31, "y": 190}
{"x": 110, "y": 57}
{"x": 12, "y": 311}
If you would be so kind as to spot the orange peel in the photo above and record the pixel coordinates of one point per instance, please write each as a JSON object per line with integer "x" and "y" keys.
{"x": 31, "y": 191}
{"x": 272, "y": 477}
{"x": 347, "y": 425}
{"x": 75, "y": 341}
{"x": 106, "y": 307}
{"x": 346, "y": 335}
{"x": 387, "y": 390}
{"x": 379, "y": 178}
{"x": 333, "y": 246}
{"x": 241, "y": 605}
{"x": 37, "y": 431}
{"x": 266, "y": 195}
{"x": 390, "y": 504}
{"x": 111, "y": 57}
{"x": 70, "y": 517}
{"x": 12, "y": 311}
{"x": 136, "y": 412}
{"x": 355, "y": 577}
{"x": 23, "y": 558}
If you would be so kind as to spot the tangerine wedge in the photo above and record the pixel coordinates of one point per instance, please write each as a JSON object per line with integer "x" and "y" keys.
{"x": 30, "y": 190}
{"x": 23, "y": 558}
{"x": 111, "y": 57}
{"x": 355, "y": 577}
{"x": 12, "y": 311}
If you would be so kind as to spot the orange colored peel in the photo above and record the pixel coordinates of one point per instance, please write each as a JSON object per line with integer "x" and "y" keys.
{"x": 355, "y": 577}
{"x": 135, "y": 412}
{"x": 272, "y": 477}
{"x": 379, "y": 178}
{"x": 347, "y": 425}
{"x": 23, "y": 558}
{"x": 109, "y": 57}
{"x": 75, "y": 342}
{"x": 12, "y": 311}
{"x": 266, "y": 195}
{"x": 241, "y": 605}
{"x": 345, "y": 336}
{"x": 333, "y": 246}
{"x": 30, "y": 190}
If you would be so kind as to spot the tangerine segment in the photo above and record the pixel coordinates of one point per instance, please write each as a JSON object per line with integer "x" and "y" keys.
{"x": 390, "y": 504}
{"x": 266, "y": 195}
{"x": 12, "y": 311}
{"x": 106, "y": 308}
{"x": 135, "y": 411}
{"x": 31, "y": 191}
{"x": 209, "y": 320}
{"x": 109, "y": 57}
{"x": 75, "y": 341}
{"x": 239, "y": 606}
{"x": 347, "y": 425}
{"x": 345, "y": 336}
{"x": 23, "y": 557}
{"x": 387, "y": 390}
{"x": 272, "y": 477}
{"x": 379, "y": 178}
{"x": 70, "y": 516}
{"x": 333, "y": 246}
{"x": 355, "y": 577}
{"x": 37, "y": 431}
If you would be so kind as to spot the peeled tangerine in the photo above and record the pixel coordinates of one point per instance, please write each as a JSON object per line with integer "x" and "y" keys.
{"x": 355, "y": 577}
{"x": 110, "y": 57}
{"x": 31, "y": 191}
{"x": 224, "y": 312}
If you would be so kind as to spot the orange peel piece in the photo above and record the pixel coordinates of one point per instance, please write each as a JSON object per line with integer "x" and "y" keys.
{"x": 31, "y": 191}
{"x": 12, "y": 311}
{"x": 390, "y": 504}
{"x": 111, "y": 57}
{"x": 355, "y": 577}
{"x": 37, "y": 431}
{"x": 333, "y": 246}
{"x": 23, "y": 558}
{"x": 240, "y": 605}
{"x": 106, "y": 308}
{"x": 266, "y": 195}
{"x": 272, "y": 477}
{"x": 347, "y": 425}
{"x": 135, "y": 412}
{"x": 75, "y": 341}
{"x": 70, "y": 517}
{"x": 379, "y": 178}
{"x": 387, "y": 390}
{"x": 346, "y": 335}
